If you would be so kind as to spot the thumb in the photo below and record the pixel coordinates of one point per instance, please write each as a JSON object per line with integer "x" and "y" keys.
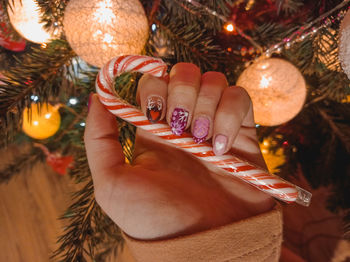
{"x": 103, "y": 149}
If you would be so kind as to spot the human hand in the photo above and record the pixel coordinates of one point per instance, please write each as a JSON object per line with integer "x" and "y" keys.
{"x": 166, "y": 192}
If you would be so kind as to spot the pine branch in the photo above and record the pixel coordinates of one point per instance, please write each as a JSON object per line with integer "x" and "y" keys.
{"x": 194, "y": 14}
{"x": 288, "y": 7}
{"x": 24, "y": 161}
{"x": 52, "y": 13}
{"x": 39, "y": 72}
{"x": 190, "y": 47}
{"x": 90, "y": 231}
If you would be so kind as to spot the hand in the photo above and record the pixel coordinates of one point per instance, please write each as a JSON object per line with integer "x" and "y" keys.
{"x": 166, "y": 192}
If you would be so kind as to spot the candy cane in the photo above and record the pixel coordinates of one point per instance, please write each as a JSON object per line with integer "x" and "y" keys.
{"x": 255, "y": 176}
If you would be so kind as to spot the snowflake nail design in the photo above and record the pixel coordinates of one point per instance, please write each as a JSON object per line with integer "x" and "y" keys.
{"x": 154, "y": 108}
{"x": 178, "y": 121}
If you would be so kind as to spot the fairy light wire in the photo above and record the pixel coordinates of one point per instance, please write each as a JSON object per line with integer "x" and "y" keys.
{"x": 303, "y": 32}
{"x": 224, "y": 19}
{"x": 287, "y": 42}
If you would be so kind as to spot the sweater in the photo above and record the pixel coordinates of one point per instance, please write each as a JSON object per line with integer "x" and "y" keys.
{"x": 253, "y": 239}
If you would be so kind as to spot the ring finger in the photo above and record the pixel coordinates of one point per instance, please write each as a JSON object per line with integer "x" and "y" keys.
{"x": 212, "y": 86}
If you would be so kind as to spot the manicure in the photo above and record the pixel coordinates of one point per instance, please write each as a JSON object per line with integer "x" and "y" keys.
{"x": 154, "y": 108}
{"x": 178, "y": 121}
{"x": 201, "y": 129}
{"x": 220, "y": 143}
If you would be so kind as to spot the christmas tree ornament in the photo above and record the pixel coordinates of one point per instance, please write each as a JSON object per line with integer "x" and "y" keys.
{"x": 344, "y": 44}
{"x": 41, "y": 123}
{"x": 7, "y": 39}
{"x": 25, "y": 18}
{"x": 233, "y": 166}
{"x": 277, "y": 89}
{"x": 273, "y": 159}
{"x": 60, "y": 164}
{"x": 98, "y": 30}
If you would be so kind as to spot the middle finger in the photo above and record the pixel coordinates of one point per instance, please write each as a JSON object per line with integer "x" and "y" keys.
{"x": 183, "y": 88}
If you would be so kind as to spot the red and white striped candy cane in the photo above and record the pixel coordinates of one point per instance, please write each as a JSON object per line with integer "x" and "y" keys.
{"x": 261, "y": 179}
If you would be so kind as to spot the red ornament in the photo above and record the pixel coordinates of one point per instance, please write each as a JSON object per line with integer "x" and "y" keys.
{"x": 6, "y": 31}
{"x": 59, "y": 163}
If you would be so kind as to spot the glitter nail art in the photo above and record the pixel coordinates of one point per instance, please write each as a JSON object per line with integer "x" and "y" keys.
{"x": 201, "y": 129}
{"x": 154, "y": 108}
{"x": 178, "y": 121}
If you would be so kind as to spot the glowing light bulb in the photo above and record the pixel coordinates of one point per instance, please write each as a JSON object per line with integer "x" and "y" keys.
{"x": 25, "y": 17}
{"x": 154, "y": 27}
{"x": 73, "y": 101}
{"x": 265, "y": 81}
{"x": 230, "y": 27}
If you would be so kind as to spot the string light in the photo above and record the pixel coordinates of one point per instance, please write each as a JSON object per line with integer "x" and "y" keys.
{"x": 154, "y": 27}
{"x": 229, "y": 27}
{"x": 34, "y": 98}
{"x": 306, "y": 31}
{"x": 225, "y": 20}
{"x": 297, "y": 36}
{"x": 73, "y": 101}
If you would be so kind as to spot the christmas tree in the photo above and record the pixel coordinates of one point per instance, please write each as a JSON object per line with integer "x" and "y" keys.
{"x": 290, "y": 55}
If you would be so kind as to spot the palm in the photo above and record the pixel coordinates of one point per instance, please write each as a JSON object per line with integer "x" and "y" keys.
{"x": 169, "y": 192}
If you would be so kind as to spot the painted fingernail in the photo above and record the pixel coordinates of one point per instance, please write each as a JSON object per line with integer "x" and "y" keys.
{"x": 178, "y": 121}
{"x": 220, "y": 143}
{"x": 154, "y": 108}
{"x": 201, "y": 129}
{"x": 89, "y": 101}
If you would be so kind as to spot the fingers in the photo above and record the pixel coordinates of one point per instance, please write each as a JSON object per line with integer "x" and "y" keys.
{"x": 212, "y": 86}
{"x": 153, "y": 96}
{"x": 234, "y": 110}
{"x": 206, "y": 103}
{"x": 183, "y": 88}
{"x": 103, "y": 149}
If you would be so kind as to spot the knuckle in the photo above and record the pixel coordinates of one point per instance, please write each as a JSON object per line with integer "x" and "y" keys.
{"x": 207, "y": 99}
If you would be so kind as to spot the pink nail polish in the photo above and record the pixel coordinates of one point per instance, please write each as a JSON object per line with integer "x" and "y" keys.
{"x": 201, "y": 129}
{"x": 220, "y": 144}
{"x": 178, "y": 121}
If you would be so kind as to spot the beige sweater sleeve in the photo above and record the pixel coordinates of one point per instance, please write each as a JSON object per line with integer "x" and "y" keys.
{"x": 254, "y": 239}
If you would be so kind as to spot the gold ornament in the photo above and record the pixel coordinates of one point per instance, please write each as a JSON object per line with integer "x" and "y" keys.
{"x": 277, "y": 89}
{"x": 41, "y": 123}
{"x": 272, "y": 159}
{"x": 25, "y": 18}
{"x": 99, "y": 30}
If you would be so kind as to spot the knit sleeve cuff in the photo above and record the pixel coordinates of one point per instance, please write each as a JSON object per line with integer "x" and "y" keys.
{"x": 255, "y": 239}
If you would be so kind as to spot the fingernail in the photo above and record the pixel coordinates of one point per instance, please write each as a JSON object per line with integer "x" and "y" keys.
{"x": 154, "y": 108}
{"x": 201, "y": 129}
{"x": 89, "y": 101}
{"x": 220, "y": 143}
{"x": 178, "y": 121}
